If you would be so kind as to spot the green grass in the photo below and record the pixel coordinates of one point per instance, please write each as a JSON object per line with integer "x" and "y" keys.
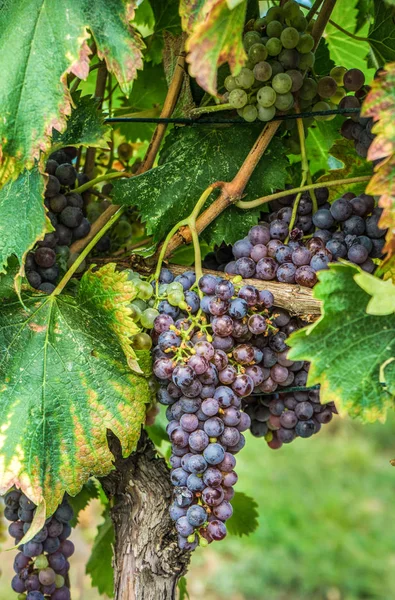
{"x": 325, "y": 527}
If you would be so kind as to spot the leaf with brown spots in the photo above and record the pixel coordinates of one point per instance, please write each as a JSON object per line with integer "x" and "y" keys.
{"x": 64, "y": 381}
{"x": 380, "y": 105}
{"x": 215, "y": 37}
{"x": 351, "y": 352}
{"x": 52, "y": 41}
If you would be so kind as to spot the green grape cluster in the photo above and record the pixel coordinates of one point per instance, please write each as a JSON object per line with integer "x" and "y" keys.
{"x": 278, "y": 72}
{"x": 143, "y": 309}
{"x": 279, "y": 52}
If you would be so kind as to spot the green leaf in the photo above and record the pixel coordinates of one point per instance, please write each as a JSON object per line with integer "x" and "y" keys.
{"x": 65, "y": 382}
{"x": 167, "y": 18}
{"x": 382, "y": 292}
{"x": 215, "y": 38}
{"x": 22, "y": 216}
{"x": 364, "y": 13}
{"x": 323, "y": 62}
{"x": 85, "y": 126}
{"x": 185, "y": 255}
{"x": 245, "y": 515}
{"x": 144, "y": 15}
{"x": 182, "y": 589}
{"x": 99, "y": 565}
{"x": 382, "y": 33}
{"x": 206, "y": 154}
{"x": 353, "y": 166}
{"x": 320, "y": 139}
{"x": 43, "y": 41}
{"x": 147, "y": 97}
{"x": 345, "y": 50}
{"x": 157, "y": 434}
{"x": 79, "y": 502}
{"x": 351, "y": 352}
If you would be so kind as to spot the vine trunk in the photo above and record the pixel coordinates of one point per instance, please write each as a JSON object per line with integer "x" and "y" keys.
{"x": 147, "y": 560}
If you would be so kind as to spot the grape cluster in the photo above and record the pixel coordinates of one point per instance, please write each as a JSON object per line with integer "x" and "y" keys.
{"x": 42, "y": 565}
{"x": 357, "y": 128}
{"x": 279, "y": 52}
{"x": 67, "y": 217}
{"x": 227, "y": 343}
{"x": 282, "y": 417}
{"x": 348, "y": 228}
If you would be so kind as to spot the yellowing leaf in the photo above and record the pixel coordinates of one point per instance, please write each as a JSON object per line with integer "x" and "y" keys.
{"x": 65, "y": 381}
{"x": 380, "y": 105}
{"x": 382, "y": 292}
{"x": 215, "y": 38}
{"x": 44, "y": 40}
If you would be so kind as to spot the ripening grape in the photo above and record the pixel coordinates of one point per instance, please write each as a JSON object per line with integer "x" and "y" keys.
{"x": 266, "y": 96}
{"x": 257, "y": 53}
{"x": 238, "y": 98}
{"x": 308, "y": 89}
{"x": 251, "y": 38}
{"x": 291, "y": 9}
{"x": 275, "y": 13}
{"x": 353, "y": 80}
{"x": 266, "y": 114}
{"x": 326, "y": 87}
{"x": 338, "y": 74}
{"x": 230, "y": 83}
{"x": 245, "y": 78}
{"x": 338, "y": 96}
{"x": 290, "y": 37}
{"x": 282, "y": 83}
{"x": 305, "y": 43}
{"x": 250, "y": 113}
{"x": 274, "y": 47}
{"x": 296, "y": 78}
{"x": 284, "y": 101}
{"x": 306, "y": 61}
{"x": 274, "y": 29}
{"x": 321, "y": 106}
{"x": 262, "y": 71}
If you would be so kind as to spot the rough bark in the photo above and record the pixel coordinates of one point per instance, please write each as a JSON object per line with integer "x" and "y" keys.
{"x": 147, "y": 560}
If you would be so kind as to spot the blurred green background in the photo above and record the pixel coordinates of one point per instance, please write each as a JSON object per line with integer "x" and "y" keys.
{"x": 325, "y": 524}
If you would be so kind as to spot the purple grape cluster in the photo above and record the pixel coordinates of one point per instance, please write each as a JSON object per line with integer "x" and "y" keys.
{"x": 66, "y": 213}
{"x": 206, "y": 362}
{"x": 348, "y": 228}
{"x": 357, "y": 128}
{"x": 42, "y": 565}
{"x": 280, "y": 418}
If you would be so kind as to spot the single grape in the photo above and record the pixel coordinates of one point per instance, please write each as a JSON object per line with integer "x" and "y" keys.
{"x": 262, "y": 72}
{"x": 308, "y": 89}
{"x": 238, "y": 98}
{"x": 230, "y": 83}
{"x": 256, "y": 54}
{"x": 306, "y": 61}
{"x": 250, "y": 113}
{"x": 305, "y": 43}
{"x": 244, "y": 79}
{"x": 296, "y": 78}
{"x": 274, "y": 29}
{"x": 266, "y": 96}
{"x": 337, "y": 73}
{"x": 273, "y": 47}
{"x": 266, "y": 114}
{"x": 282, "y": 83}
{"x": 353, "y": 80}
{"x": 326, "y": 87}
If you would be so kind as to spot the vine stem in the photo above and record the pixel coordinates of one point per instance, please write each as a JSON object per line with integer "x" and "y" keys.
{"x": 322, "y": 20}
{"x": 246, "y": 205}
{"x": 190, "y": 222}
{"x": 149, "y": 159}
{"x": 202, "y": 110}
{"x": 348, "y": 33}
{"x": 313, "y": 9}
{"x": 67, "y": 276}
{"x": 230, "y": 192}
{"x": 89, "y": 184}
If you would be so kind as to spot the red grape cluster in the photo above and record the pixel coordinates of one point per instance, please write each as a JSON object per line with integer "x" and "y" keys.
{"x": 281, "y": 418}
{"x": 41, "y": 566}
{"x": 348, "y": 228}
{"x": 66, "y": 213}
{"x": 225, "y": 345}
